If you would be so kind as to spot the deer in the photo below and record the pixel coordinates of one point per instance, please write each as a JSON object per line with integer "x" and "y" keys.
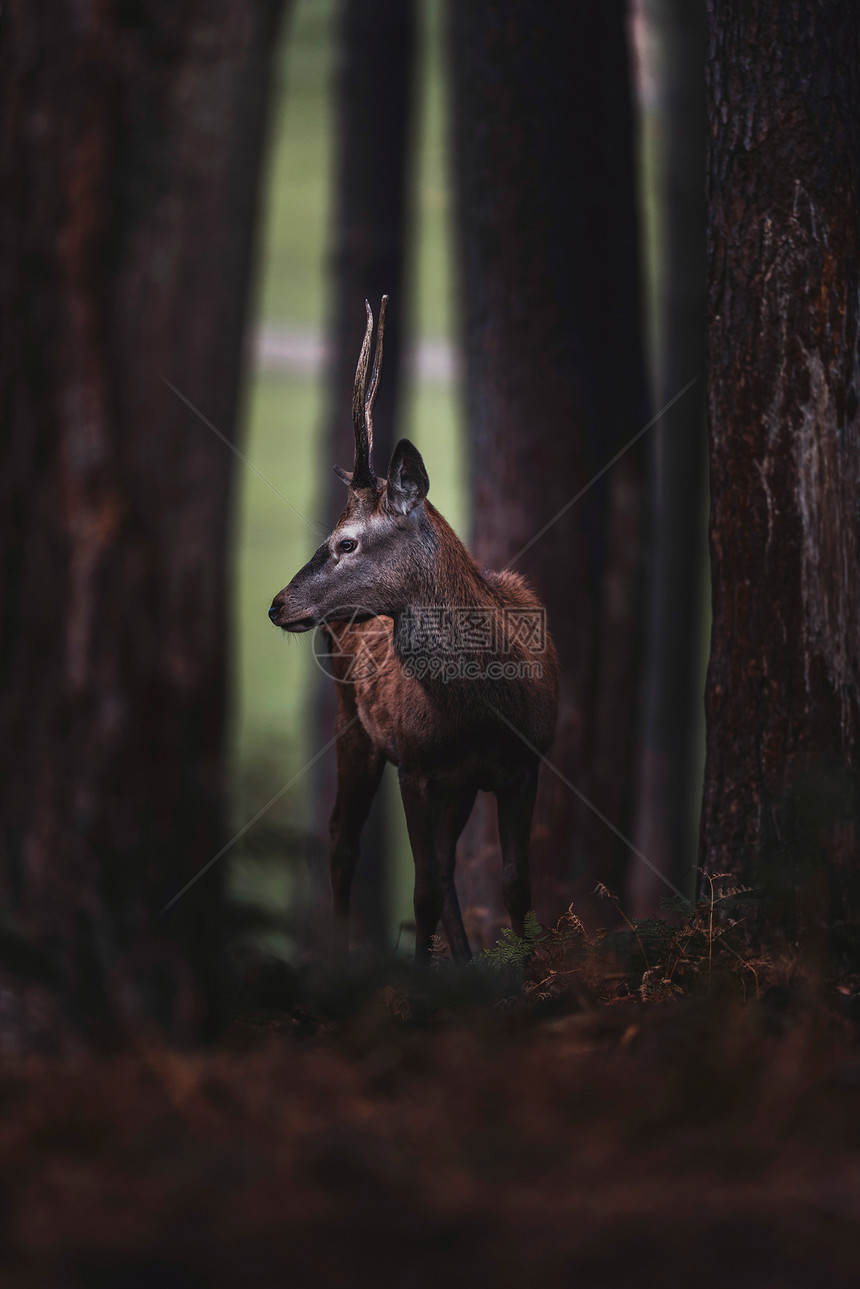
{"x": 443, "y": 669}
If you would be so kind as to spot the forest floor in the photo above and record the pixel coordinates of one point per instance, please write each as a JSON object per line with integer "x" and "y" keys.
{"x": 513, "y": 1126}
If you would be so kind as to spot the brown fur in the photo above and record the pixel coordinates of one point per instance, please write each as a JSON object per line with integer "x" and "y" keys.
{"x": 401, "y": 695}
{"x": 446, "y": 736}
{"x": 448, "y": 725}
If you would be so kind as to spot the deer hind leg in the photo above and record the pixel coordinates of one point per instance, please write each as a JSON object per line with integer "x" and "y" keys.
{"x": 515, "y": 809}
{"x": 435, "y": 817}
{"x": 359, "y": 770}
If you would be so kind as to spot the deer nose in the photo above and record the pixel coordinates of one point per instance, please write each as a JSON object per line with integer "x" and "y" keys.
{"x": 274, "y": 611}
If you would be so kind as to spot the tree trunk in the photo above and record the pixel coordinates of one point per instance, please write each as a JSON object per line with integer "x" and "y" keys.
{"x": 781, "y": 798}
{"x": 669, "y": 804}
{"x": 131, "y": 151}
{"x": 374, "y": 101}
{"x": 554, "y": 379}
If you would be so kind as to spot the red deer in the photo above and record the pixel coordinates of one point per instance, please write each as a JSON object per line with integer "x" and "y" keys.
{"x": 432, "y": 657}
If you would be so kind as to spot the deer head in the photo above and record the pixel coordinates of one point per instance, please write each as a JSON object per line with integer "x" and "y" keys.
{"x": 374, "y": 560}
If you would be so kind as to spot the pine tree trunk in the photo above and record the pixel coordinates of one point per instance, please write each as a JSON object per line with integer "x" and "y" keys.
{"x": 554, "y": 376}
{"x": 131, "y": 148}
{"x": 669, "y": 804}
{"x": 374, "y": 101}
{"x": 782, "y": 795}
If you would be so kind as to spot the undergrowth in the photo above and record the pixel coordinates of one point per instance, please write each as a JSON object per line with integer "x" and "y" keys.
{"x": 689, "y": 949}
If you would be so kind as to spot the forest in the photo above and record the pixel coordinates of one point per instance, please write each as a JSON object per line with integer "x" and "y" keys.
{"x": 620, "y": 245}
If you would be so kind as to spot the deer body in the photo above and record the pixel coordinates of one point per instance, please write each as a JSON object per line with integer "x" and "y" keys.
{"x": 395, "y": 589}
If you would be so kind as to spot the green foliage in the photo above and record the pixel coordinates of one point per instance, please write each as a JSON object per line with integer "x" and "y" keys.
{"x": 654, "y": 938}
{"x": 694, "y": 942}
{"x": 512, "y": 952}
{"x": 675, "y": 904}
{"x": 653, "y": 959}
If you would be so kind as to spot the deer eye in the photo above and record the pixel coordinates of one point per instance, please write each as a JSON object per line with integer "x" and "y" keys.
{"x": 347, "y": 545}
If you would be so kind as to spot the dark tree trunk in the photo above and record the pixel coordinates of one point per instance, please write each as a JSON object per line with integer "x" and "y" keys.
{"x": 374, "y": 101}
{"x": 781, "y": 786}
{"x": 131, "y": 147}
{"x": 668, "y": 805}
{"x": 554, "y": 375}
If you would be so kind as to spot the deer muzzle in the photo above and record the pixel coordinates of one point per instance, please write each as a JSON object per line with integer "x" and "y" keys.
{"x": 279, "y": 613}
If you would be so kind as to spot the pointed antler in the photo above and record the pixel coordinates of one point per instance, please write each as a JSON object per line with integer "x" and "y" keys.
{"x": 370, "y": 399}
{"x": 363, "y": 398}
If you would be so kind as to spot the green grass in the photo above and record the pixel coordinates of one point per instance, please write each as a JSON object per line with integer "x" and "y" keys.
{"x": 274, "y": 671}
{"x": 297, "y": 197}
{"x": 431, "y": 299}
{"x": 274, "y": 676}
{"x": 291, "y": 287}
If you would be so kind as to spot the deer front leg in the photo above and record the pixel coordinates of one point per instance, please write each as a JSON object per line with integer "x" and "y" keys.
{"x": 453, "y": 819}
{"x": 515, "y": 809}
{"x": 435, "y": 817}
{"x": 359, "y": 769}
{"x": 417, "y": 795}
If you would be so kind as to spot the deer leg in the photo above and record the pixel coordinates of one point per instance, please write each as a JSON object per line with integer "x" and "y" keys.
{"x": 435, "y": 816}
{"x": 515, "y": 809}
{"x": 428, "y": 896}
{"x": 451, "y": 824}
{"x": 359, "y": 770}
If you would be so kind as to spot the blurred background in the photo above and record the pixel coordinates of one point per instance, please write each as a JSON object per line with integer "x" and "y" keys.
{"x": 203, "y": 199}
{"x": 292, "y": 425}
{"x": 198, "y": 197}
{"x": 286, "y": 415}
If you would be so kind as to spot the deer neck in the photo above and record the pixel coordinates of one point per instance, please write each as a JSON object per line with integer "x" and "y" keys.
{"x": 449, "y": 596}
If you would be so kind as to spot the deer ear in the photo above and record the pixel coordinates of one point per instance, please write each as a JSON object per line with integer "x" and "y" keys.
{"x": 345, "y": 476}
{"x": 408, "y": 483}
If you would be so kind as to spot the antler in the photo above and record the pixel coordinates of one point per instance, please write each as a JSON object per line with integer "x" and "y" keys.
{"x": 363, "y": 398}
{"x": 374, "y": 379}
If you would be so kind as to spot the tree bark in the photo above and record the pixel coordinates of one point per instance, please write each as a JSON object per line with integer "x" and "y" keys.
{"x": 669, "y": 803}
{"x": 131, "y": 149}
{"x": 374, "y": 102}
{"x": 543, "y": 140}
{"x": 781, "y": 802}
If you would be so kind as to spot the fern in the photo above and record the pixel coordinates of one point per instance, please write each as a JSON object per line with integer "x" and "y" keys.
{"x": 512, "y": 951}
{"x": 533, "y": 932}
{"x": 675, "y": 904}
